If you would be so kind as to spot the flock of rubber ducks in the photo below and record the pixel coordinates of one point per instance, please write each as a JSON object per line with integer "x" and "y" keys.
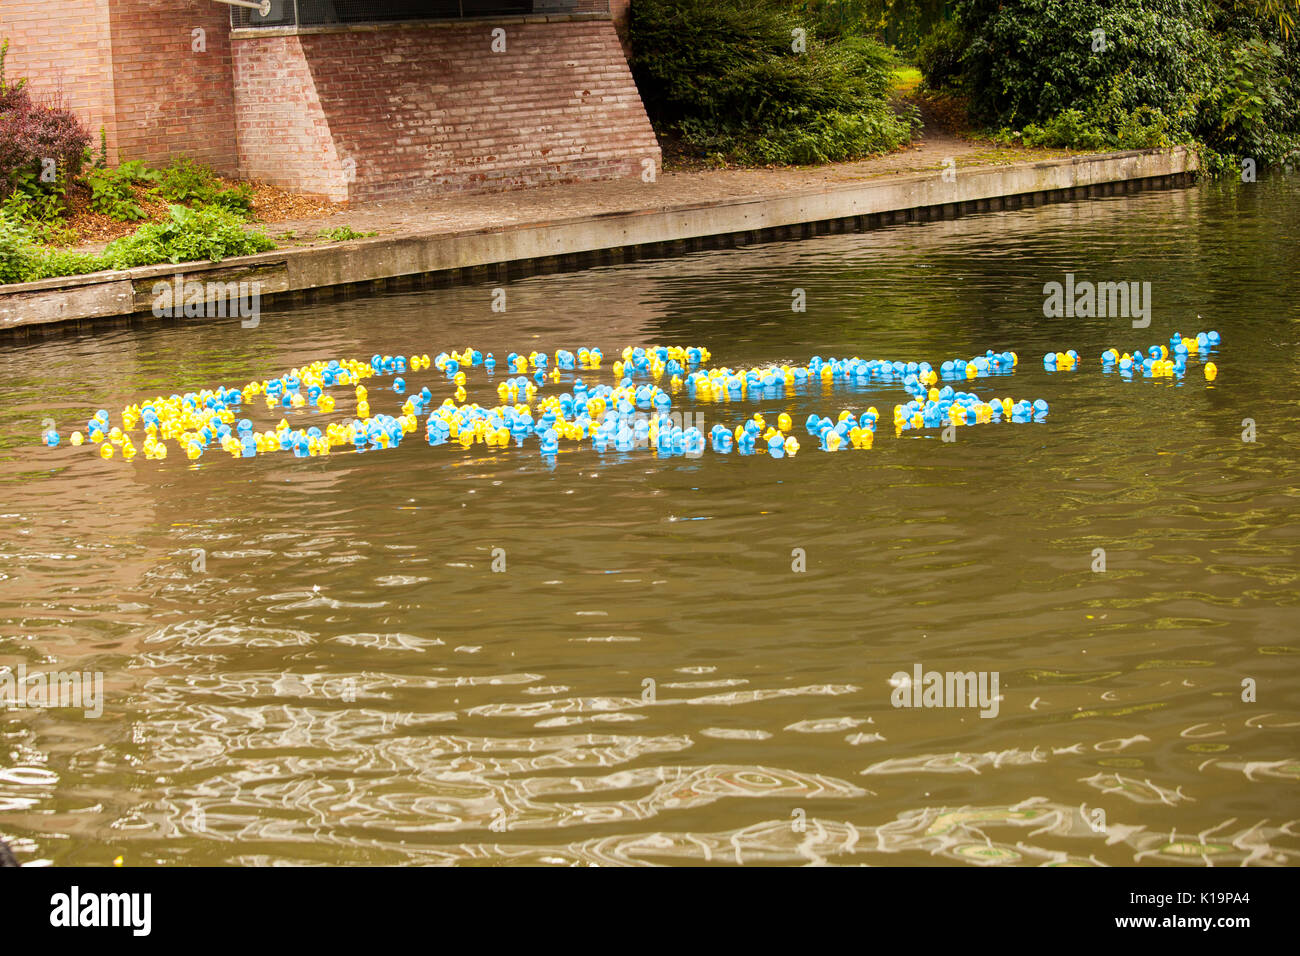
{"x": 1159, "y": 361}
{"x": 636, "y": 413}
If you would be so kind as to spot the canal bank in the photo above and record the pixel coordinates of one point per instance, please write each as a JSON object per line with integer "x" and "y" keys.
{"x": 419, "y": 258}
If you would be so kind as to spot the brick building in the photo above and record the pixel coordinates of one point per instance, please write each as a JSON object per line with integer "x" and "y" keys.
{"x": 347, "y": 99}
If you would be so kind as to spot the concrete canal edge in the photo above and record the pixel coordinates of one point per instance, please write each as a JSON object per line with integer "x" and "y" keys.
{"x": 426, "y": 259}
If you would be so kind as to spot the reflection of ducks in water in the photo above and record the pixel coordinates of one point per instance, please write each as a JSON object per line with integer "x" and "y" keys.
{"x": 6, "y": 855}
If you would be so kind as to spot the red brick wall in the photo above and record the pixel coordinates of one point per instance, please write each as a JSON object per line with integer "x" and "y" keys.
{"x": 171, "y": 99}
{"x": 428, "y": 109}
{"x": 284, "y": 135}
{"x": 130, "y": 67}
{"x": 64, "y": 50}
{"x": 416, "y": 108}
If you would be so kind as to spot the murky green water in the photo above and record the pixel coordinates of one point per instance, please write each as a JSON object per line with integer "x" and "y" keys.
{"x": 505, "y": 717}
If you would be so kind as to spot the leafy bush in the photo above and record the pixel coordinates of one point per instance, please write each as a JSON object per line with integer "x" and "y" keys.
{"x": 939, "y": 56}
{"x": 40, "y": 212}
{"x": 1071, "y": 129}
{"x": 187, "y": 181}
{"x": 1253, "y": 109}
{"x": 112, "y": 191}
{"x": 33, "y": 201}
{"x": 1091, "y": 73}
{"x": 1028, "y": 60}
{"x": 23, "y": 260}
{"x": 17, "y": 255}
{"x": 31, "y": 133}
{"x": 52, "y": 263}
{"x": 187, "y": 235}
{"x": 827, "y": 138}
{"x": 726, "y": 77}
{"x": 901, "y": 22}
{"x": 209, "y": 233}
{"x": 1143, "y": 128}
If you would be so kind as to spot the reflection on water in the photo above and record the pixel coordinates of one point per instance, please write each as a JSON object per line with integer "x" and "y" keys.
{"x": 347, "y": 681}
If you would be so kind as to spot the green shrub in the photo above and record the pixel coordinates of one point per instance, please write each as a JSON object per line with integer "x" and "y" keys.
{"x": 1028, "y": 60}
{"x": 1071, "y": 129}
{"x": 725, "y": 76}
{"x": 1221, "y": 74}
{"x": 185, "y": 180}
{"x": 51, "y": 263}
{"x": 872, "y": 64}
{"x": 209, "y": 233}
{"x": 1253, "y": 109}
{"x": 190, "y": 182}
{"x": 112, "y": 191}
{"x": 901, "y": 23}
{"x": 35, "y": 203}
{"x": 939, "y": 56}
{"x": 827, "y": 138}
{"x": 1144, "y": 128}
{"x": 23, "y": 260}
{"x": 17, "y": 254}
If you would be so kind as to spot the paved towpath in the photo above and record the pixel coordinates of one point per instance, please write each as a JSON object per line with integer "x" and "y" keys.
{"x": 541, "y": 204}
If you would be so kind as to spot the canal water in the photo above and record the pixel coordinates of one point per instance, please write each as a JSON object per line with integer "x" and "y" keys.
{"x": 690, "y": 660}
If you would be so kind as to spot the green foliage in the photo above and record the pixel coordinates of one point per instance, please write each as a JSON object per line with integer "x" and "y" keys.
{"x": 827, "y": 138}
{"x": 23, "y": 260}
{"x": 190, "y": 182}
{"x": 1284, "y": 13}
{"x": 339, "y": 234}
{"x": 900, "y": 23}
{"x": 36, "y": 201}
{"x": 52, "y": 263}
{"x": 939, "y": 56}
{"x": 1254, "y": 107}
{"x": 1091, "y": 74}
{"x": 112, "y": 191}
{"x": 5, "y": 86}
{"x": 17, "y": 254}
{"x": 1028, "y": 60}
{"x": 733, "y": 80}
{"x": 38, "y": 206}
{"x": 1143, "y": 128}
{"x": 843, "y": 18}
{"x": 40, "y": 214}
{"x": 185, "y": 180}
{"x": 187, "y": 235}
{"x": 209, "y": 233}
